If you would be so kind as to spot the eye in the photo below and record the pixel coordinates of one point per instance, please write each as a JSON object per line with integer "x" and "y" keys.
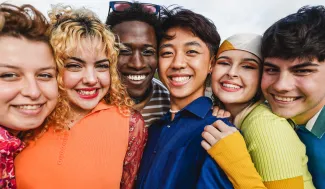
{"x": 223, "y": 63}
{"x": 270, "y": 70}
{"x": 192, "y": 52}
{"x": 9, "y": 76}
{"x": 249, "y": 67}
{"x": 45, "y": 76}
{"x": 166, "y": 54}
{"x": 125, "y": 52}
{"x": 303, "y": 72}
{"x": 73, "y": 66}
{"x": 148, "y": 52}
{"x": 102, "y": 66}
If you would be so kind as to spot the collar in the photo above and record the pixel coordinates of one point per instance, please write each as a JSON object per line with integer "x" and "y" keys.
{"x": 199, "y": 107}
{"x": 102, "y": 105}
{"x": 316, "y": 124}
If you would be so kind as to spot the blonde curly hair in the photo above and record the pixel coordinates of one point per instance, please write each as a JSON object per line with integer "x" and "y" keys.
{"x": 68, "y": 27}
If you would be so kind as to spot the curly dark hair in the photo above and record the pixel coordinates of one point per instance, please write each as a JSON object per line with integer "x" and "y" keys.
{"x": 24, "y": 21}
{"x": 135, "y": 13}
{"x": 199, "y": 25}
{"x": 299, "y": 35}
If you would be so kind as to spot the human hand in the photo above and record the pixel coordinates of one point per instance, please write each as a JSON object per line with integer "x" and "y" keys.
{"x": 221, "y": 113}
{"x": 215, "y": 132}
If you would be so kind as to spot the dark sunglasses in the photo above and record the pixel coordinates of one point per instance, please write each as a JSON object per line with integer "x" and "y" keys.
{"x": 120, "y": 6}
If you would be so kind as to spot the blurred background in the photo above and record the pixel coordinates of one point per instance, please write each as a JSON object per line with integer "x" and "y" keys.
{"x": 230, "y": 16}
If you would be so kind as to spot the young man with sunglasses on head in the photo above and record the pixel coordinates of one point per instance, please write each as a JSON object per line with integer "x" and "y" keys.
{"x": 173, "y": 157}
{"x": 293, "y": 80}
{"x": 138, "y": 28}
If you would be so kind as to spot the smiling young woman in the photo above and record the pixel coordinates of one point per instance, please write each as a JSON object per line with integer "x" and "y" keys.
{"x": 101, "y": 142}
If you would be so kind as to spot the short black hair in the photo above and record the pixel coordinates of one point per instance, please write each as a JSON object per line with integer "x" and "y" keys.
{"x": 135, "y": 13}
{"x": 199, "y": 25}
{"x": 299, "y": 35}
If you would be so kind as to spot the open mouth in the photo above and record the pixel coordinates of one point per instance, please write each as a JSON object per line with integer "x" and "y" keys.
{"x": 137, "y": 77}
{"x": 285, "y": 99}
{"x": 28, "y": 107}
{"x": 88, "y": 93}
{"x": 230, "y": 86}
{"x": 83, "y": 92}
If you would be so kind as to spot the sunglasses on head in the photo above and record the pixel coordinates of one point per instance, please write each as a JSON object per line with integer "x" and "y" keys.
{"x": 120, "y": 6}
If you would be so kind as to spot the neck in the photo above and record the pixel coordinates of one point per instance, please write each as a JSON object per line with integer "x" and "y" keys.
{"x": 177, "y": 103}
{"x": 235, "y": 109}
{"x": 140, "y": 99}
{"x": 304, "y": 117}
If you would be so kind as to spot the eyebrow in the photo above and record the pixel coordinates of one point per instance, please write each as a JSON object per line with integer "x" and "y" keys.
{"x": 224, "y": 57}
{"x": 8, "y": 66}
{"x": 84, "y": 62}
{"x": 192, "y": 43}
{"x": 270, "y": 65}
{"x": 305, "y": 64}
{"x": 145, "y": 45}
{"x": 17, "y": 68}
{"x": 251, "y": 60}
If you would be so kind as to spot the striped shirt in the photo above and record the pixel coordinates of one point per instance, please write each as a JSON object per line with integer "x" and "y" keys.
{"x": 156, "y": 104}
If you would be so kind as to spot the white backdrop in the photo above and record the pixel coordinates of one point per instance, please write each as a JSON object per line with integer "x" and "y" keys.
{"x": 230, "y": 16}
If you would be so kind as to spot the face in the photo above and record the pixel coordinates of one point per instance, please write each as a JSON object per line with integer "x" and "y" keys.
{"x": 86, "y": 75}
{"x": 137, "y": 61}
{"x": 294, "y": 87}
{"x": 235, "y": 77}
{"x": 28, "y": 83}
{"x": 184, "y": 64}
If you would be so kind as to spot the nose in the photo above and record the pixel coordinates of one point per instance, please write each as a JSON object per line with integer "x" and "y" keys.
{"x": 179, "y": 61}
{"x": 284, "y": 83}
{"x": 137, "y": 61}
{"x": 90, "y": 77}
{"x": 31, "y": 89}
{"x": 233, "y": 72}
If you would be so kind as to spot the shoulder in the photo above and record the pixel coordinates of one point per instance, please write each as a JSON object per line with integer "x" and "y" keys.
{"x": 136, "y": 120}
{"x": 158, "y": 85}
{"x": 262, "y": 117}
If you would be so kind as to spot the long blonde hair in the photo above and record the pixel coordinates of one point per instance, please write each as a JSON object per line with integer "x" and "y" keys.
{"x": 68, "y": 27}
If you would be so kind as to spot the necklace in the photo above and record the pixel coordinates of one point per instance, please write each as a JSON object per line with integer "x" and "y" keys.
{"x": 173, "y": 111}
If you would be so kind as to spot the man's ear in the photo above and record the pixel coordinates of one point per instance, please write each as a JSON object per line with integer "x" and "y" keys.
{"x": 212, "y": 63}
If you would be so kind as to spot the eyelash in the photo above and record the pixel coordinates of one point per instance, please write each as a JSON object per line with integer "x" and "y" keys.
{"x": 8, "y": 75}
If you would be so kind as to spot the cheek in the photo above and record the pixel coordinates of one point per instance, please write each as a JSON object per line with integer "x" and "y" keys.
{"x": 9, "y": 91}
{"x": 217, "y": 73}
{"x": 49, "y": 89}
{"x": 267, "y": 80}
{"x": 152, "y": 63}
{"x": 122, "y": 61}
{"x": 71, "y": 79}
{"x": 104, "y": 79}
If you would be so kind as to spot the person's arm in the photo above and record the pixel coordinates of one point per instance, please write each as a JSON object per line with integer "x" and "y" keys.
{"x": 227, "y": 147}
{"x": 137, "y": 140}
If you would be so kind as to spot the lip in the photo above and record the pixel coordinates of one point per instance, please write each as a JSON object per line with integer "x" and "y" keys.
{"x": 289, "y": 99}
{"x": 28, "y": 112}
{"x": 88, "y": 97}
{"x": 136, "y": 82}
{"x": 228, "y": 89}
{"x": 179, "y": 83}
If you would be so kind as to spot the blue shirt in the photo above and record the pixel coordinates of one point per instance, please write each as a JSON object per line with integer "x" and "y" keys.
{"x": 174, "y": 158}
{"x": 312, "y": 135}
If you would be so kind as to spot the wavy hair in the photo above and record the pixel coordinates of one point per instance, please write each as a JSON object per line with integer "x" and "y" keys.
{"x": 68, "y": 27}
{"x": 29, "y": 23}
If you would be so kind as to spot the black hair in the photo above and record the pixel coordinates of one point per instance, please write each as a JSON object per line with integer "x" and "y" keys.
{"x": 299, "y": 35}
{"x": 135, "y": 13}
{"x": 199, "y": 25}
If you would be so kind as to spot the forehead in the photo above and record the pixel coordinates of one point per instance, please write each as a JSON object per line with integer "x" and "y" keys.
{"x": 88, "y": 47}
{"x": 135, "y": 32}
{"x": 21, "y": 52}
{"x": 289, "y": 63}
{"x": 238, "y": 54}
{"x": 181, "y": 37}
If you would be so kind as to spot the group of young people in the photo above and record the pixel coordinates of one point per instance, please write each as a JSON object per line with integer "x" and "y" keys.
{"x": 79, "y": 95}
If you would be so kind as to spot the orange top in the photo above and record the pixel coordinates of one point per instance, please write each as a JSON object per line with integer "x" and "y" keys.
{"x": 89, "y": 155}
